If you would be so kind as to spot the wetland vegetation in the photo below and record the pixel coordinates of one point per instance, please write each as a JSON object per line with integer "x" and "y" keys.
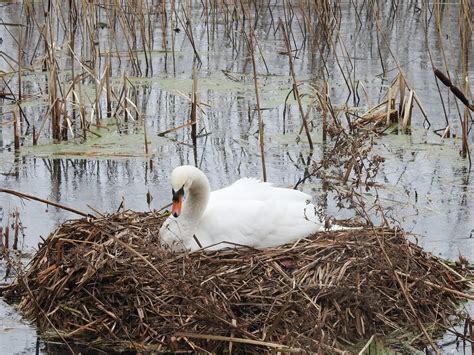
{"x": 366, "y": 105}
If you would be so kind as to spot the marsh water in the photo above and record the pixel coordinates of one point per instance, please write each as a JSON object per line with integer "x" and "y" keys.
{"x": 424, "y": 183}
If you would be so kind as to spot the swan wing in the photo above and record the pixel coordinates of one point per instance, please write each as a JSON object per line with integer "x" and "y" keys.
{"x": 256, "y": 223}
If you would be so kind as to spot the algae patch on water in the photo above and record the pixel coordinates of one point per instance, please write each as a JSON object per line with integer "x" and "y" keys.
{"x": 108, "y": 144}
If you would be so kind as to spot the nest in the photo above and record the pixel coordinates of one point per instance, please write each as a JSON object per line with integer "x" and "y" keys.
{"x": 107, "y": 282}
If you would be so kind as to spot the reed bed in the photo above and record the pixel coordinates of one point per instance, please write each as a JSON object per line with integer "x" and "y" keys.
{"x": 79, "y": 57}
{"x": 107, "y": 281}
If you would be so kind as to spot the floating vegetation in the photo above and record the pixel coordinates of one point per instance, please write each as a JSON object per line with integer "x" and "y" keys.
{"x": 107, "y": 282}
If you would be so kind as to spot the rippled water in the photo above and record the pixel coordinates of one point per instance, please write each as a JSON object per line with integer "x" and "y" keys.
{"x": 424, "y": 182}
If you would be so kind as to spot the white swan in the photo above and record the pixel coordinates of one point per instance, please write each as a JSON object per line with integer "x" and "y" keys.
{"x": 249, "y": 212}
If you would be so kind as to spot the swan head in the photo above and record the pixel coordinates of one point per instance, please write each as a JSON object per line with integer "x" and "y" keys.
{"x": 181, "y": 180}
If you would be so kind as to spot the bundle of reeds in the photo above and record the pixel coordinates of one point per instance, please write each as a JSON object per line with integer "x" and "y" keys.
{"x": 108, "y": 282}
{"x": 387, "y": 112}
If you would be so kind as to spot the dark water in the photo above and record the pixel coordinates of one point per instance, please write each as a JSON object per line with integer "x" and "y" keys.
{"x": 424, "y": 182}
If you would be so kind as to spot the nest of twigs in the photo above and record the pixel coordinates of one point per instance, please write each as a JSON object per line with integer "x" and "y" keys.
{"x": 107, "y": 282}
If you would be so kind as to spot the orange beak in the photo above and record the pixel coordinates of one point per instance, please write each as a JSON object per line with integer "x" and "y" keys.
{"x": 177, "y": 204}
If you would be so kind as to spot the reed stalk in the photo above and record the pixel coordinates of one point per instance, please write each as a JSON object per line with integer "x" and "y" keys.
{"x": 295, "y": 89}
{"x": 251, "y": 42}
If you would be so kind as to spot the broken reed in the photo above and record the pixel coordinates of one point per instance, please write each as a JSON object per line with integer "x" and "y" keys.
{"x": 103, "y": 40}
{"x": 13, "y": 224}
{"x": 396, "y": 107}
{"x": 468, "y": 106}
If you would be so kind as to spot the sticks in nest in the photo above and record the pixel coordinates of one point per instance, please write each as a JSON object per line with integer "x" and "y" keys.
{"x": 108, "y": 281}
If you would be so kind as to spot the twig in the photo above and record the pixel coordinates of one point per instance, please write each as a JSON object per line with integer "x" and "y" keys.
{"x": 48, "y": 202}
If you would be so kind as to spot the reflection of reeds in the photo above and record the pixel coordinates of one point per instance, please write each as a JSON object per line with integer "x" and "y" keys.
{"x": 194, "y": 104}
{"x": 193, "y": 118}
{"x": 16, "y": 131}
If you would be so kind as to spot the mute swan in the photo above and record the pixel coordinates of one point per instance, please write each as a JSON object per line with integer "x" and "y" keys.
{"x": 248, "y": 212}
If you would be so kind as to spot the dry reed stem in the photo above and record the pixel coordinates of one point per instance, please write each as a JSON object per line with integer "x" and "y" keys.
{"x": 295, "y": 89}
{"x": 30, "y": 197}
{"x": 251, "y": 43}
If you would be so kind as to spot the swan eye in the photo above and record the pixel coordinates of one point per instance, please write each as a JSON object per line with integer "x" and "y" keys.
{"x": 177, "y": 194}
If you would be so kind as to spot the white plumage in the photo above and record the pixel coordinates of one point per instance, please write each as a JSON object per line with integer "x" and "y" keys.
{"x": 248, "y": 212}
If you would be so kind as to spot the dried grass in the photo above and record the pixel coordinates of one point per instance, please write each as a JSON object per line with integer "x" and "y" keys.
{"x": 108, "y": 282}
{"x": 379, "y": 117}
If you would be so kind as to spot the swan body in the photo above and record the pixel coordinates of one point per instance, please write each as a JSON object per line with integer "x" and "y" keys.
{"x": 248, "y": 212}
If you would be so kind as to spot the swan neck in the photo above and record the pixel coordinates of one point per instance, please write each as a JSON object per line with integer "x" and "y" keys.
{"x": 198, "y": 197}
